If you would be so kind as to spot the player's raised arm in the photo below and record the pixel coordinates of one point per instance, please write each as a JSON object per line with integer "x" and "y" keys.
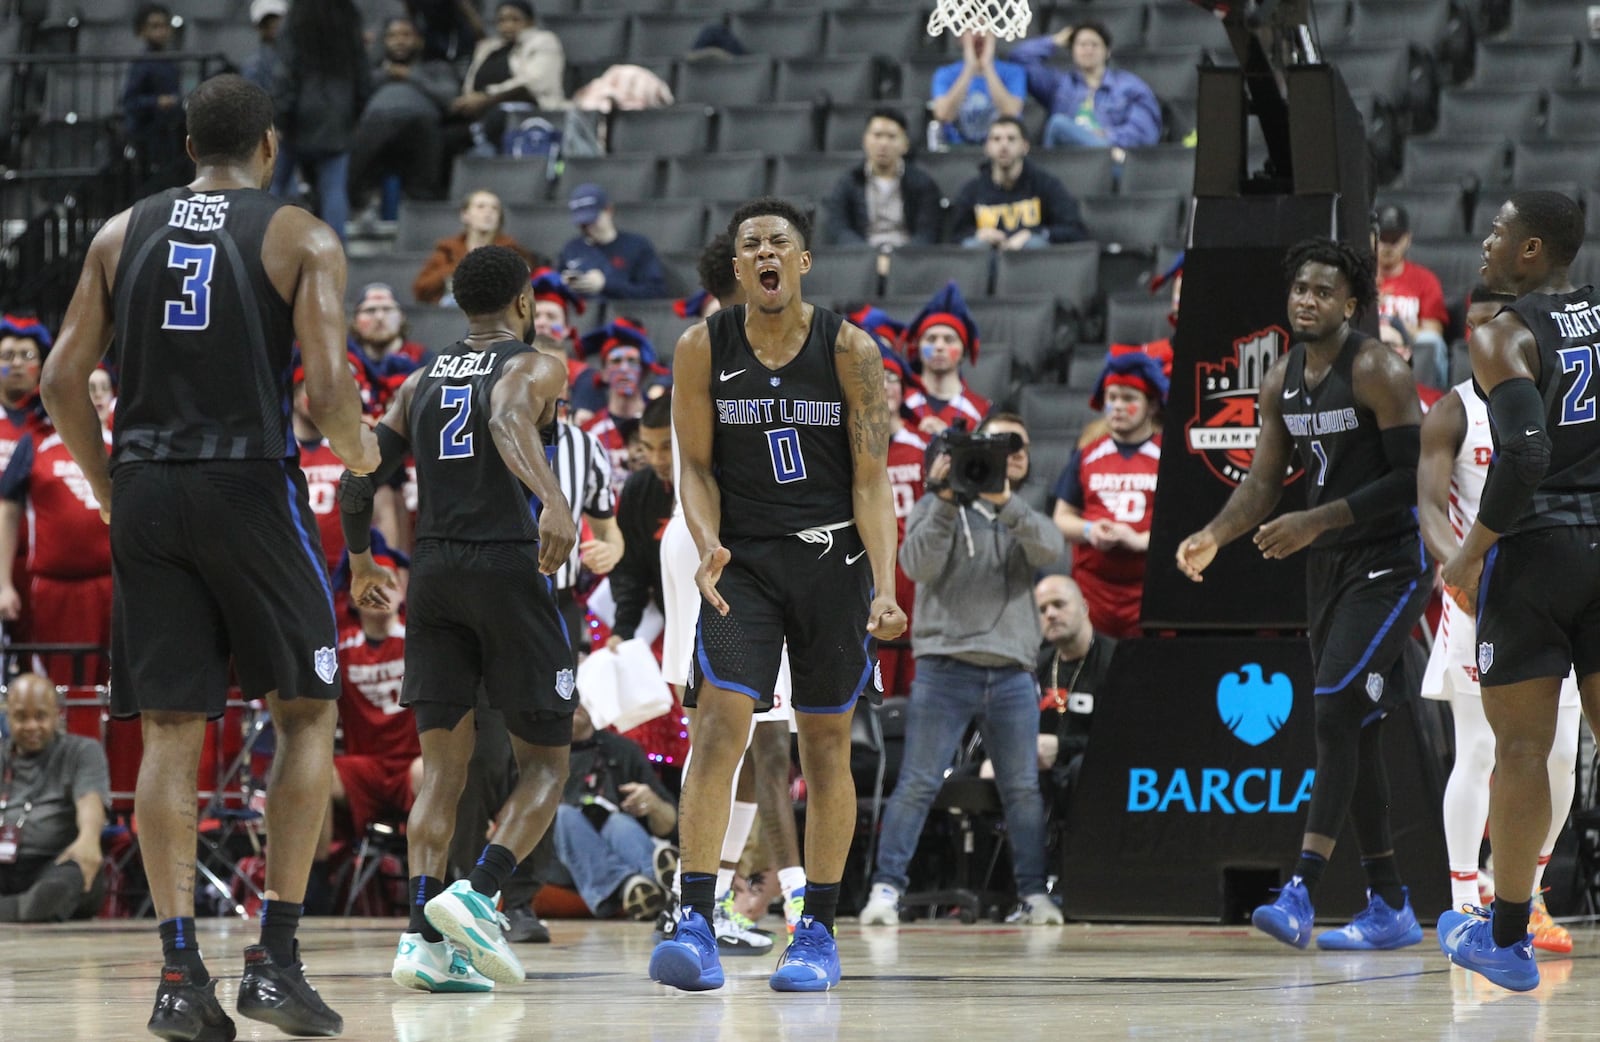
{"x": 871, "y": 425}
{"x": 693, "y": 419}
{"x": 526, "y": 391}
{"x": 85, "y": 335}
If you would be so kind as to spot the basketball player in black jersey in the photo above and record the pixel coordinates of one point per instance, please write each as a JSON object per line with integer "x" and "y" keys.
{"x": 215, "y": 547}
{"x": 490, "y": 519}
{"x": 1532, "y": 558}
{"x": 1347, "y": 407}
{"x": 783, "y": 435}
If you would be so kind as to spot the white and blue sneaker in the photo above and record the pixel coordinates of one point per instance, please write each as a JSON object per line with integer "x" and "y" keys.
{"x": 473, "y": 923}
{"x": 811, "y": 962}
{"x": 424, "y": 965}
{"x": 1468, "y": 938}
{"x": 1290, "y": 917}
{"x": 1378, "y": 928}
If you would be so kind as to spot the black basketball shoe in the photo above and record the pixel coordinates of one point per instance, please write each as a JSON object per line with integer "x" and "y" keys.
{"x": 279, "y": 995}
{"x": 189, "y": 1012}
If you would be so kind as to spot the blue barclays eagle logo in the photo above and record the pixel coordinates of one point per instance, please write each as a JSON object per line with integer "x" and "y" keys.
{"x": 1254, "y": 708}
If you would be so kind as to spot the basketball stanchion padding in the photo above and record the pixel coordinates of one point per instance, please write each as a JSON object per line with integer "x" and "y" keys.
{"x": 1006, "y": 19}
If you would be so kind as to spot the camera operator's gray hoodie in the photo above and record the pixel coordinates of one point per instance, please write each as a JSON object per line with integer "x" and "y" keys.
{"x": 974, "y": 572}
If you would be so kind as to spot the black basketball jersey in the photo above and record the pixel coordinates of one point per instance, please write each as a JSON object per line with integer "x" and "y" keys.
{"x": 1566, "y": 326}
{"x": 204, "y": 338}
{"x": 1339, "y": 444}
{"x": 780, "y": 450}
{"x": 465, "y": 491}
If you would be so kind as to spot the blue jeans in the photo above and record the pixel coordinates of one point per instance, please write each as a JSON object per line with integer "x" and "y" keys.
{"x": 1063, "y": 131}
{"x": 945, "y": 697}
{"x": 1036, "y": 241}
{"x": 332, "y": 173}
{"x": 597, "y": 862}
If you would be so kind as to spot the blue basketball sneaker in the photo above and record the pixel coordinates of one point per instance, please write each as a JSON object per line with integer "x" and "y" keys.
{"x": 1290, "y": 917}
{"x": 811, "y": 962}
{"x": 1378, "y": 928}
{"x": 688, "y": 960}
{"x": 1468, "y": 938}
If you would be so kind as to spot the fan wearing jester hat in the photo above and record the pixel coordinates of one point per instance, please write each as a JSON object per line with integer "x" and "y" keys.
{"x": 555, "y": 310}
{"x": 942, "y": 334}
{"x": 626, "y": 359}
{"x": 24, "y": 341}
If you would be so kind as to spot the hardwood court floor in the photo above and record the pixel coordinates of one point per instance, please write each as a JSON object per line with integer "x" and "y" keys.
{"x": 935, "y": 981}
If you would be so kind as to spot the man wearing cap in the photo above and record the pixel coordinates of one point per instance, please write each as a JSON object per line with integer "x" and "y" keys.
{"x": 1107, "y": 489}
{"x": 378, "y": 329}
{"x": 401, "y": 129}
{"x": 261, "y": 67}
{"x": 939, "y": 337}
{"x": 603, "y": 261}
{"x": 625, "y": 355}
{"x": 1411, "y": 293}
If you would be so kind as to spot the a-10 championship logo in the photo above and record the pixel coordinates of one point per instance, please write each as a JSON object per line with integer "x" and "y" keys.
{"x": 1226, "y": 417}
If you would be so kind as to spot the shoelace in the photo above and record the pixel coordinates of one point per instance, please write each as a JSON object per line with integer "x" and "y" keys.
{"x": 807, "y": 943}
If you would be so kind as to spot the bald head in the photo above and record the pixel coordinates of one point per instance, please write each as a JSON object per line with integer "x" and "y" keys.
{"x": 33, "y": 712}
{"x": 1063, "y": 616}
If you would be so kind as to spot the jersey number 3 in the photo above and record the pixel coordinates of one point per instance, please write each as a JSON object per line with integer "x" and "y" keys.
{"x": 455, "y": 441}
{"x": 192, "y": 311}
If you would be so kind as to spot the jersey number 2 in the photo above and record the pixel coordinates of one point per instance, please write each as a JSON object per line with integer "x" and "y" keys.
{"x": 193, "y": 310}
{"x": 455, "y": 441}
{"x": 1577, "y": 405}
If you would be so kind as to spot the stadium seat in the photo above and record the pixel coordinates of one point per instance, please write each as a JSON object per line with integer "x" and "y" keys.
{"x": 1383, "y": 68}
{"x": 1084, "y": 171}
{"x": 735, "y": 81}
{"x": 544, "y": 229}
{"x": 1138, "y": 221}
{"x": 1455, "y": 261}
{"x": 678, "y": 130}
{"x": 1182, "y": 25}
{"x": 238, "y": 40}
{"x": 1548, "y": 19}
{"x": 1172, "y": 72}
{"x": 1125, "y": 22}
{"x": 1163, "y": 168}
{"x": 1137, "y": 317}
{"x": 589, "y": 39}
{"x": 1589, "y": 66}
{"x": 1511, "y": 114}
{"x": 811, "y": 174}
{"x": 1418, "y": 22}
{"x": 97, "y": 38}
{"x": 397, "y": 269}
{"x": 776, "y": 129}
{"x": 422, "y": 224}
{"x": 781, "y": 34}
{"x": 896, "y": 33}
{"x": 1047, "y": 458}
{"x": 669, "y": 224}
{"x": 104, "y": 12}
{"x": 211, "y": 10}
{"x": 831, "y": 79}
{"x": 916, "y": 76}
{"x": 661, "y": 34}
{"x": 1543, "y": 162}
{"x": 1573, "y": 113}
{"x": 923, "y": 269}
{"x": 626, "y": 178}
{"x": 714, "y": 8}
{"x": 1548, "y": 63}
{"x": 1069, "y": 273}
{"x": 720, "y": 212}
{"x": 845, "y": 123}
{"x": 718, "y": 175}
{"x": 1436, "y": 213}
{"x": 518, "y": 182}
{"x": 432, "y": 327}
{"x": 623, "y": 7}
{"x": 1051, "y": 411}
{"x": 840, "y": 274}
{"x": 991, "y": 375}
{"x": 83, "y": 93}
{"x": 1585, "y": 270}
{"x": 1449, "y": 160}
{"x": 1025, "y": 323}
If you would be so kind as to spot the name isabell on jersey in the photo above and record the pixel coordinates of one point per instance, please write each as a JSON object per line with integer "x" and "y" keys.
{"x": 796, "y": 412}
{"x": 1578, "y": 320}
{"x": 460, "y": 367}
{"x": 1330, "y": 421}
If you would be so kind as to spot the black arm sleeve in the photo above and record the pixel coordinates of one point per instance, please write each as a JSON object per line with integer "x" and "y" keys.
{"x": 1396, "y": 490}
{"x": 1518, "y": 414}
{"x": 356, "y": 490}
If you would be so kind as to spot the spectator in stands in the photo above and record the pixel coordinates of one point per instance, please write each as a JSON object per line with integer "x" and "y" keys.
{"x": 1105, "y": 494}
{"x": 1392, "y": 331}
{"x": 320, "y": 89}
{"x": 1412, "y": 293}
{"x": 450, "y": 28}
{"x": 520, "y": 63}
{"x": 888, "y": 200}
{"x": 603, "y": 261}
{"x": 52, "y": 808}
{"x": 103, "y": 393}
{"x": 1091, "y": 104}
{"x": 970, "y": 93}
{"x": 379, "y": 332}
{"x": 625, "y": 355}
{"x": 976, "y": 640}
{"x": 1013, "y": 204}
{"x": 401, "y": 130}
{"x": 24, "y": 341}
{"x": 483, "y": 222}
{"x": 611, "y": 814}
{"x": 152, "y": 101}
{"x": 939, "y": 337}
{"x": 643, "y": 510}
{"x": 68, "y": 547}
{"x": 261, "y": 68}
{"x": 717, "y": 282}
{"x": 1074, "y": 665}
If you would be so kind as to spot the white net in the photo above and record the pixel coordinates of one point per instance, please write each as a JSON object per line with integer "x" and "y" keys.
{"x": 1007, "y": 19}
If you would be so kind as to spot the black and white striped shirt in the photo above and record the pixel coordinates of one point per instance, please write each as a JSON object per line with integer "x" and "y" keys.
{"x": 583, "y": 470}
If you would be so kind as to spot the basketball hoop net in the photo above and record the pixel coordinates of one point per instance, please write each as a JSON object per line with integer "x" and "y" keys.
{"x": 1006, "y": 19}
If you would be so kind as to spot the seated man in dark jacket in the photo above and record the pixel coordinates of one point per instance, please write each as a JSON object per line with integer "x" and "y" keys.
{"x": 1012, "y": 204}
{"x": 887, "y": 201}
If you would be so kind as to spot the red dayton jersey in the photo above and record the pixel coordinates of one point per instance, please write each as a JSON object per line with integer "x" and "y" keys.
{"x": 1110, "y": 481}
{"x": 968, "y": 407}
{"x": 322, "y": 470}
{"x": 906, "y": 452}
{"x": 604, "y": 428}
{"x": 1412, "y": 296}
{"x": 66, "y": 538}
{"x": 375, "y": 723}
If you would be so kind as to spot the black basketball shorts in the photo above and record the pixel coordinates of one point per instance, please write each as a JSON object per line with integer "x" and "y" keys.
{"x": 1539, "y": 606}
{"x": 817, "y": 595}
{"x": 217, "y": 560}
{"x": 1362, "y": 602}
{"x": 483, "y": 613}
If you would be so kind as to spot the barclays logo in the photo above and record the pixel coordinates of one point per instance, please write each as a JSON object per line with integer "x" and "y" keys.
{"x": 1254, "y": 708}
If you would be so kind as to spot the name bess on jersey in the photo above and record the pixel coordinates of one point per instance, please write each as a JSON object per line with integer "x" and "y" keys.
{"x": 1578, "y": 321}
{"x": 1331, "y": 421}
{"x": 792, "y": 412}
{"x": 461, "y": 367}
{"x": 199, "y": 213}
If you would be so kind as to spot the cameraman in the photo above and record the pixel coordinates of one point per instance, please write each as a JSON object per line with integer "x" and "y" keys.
{"x": 976, "y": 638}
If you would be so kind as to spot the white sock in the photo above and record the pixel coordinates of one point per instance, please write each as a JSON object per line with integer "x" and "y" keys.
{"x": 792, "y": 880}
{"x": 1563, "y": 765}
{"x": 1466, "y": 797}
{"x": 741, "y": 819}
{"x": 724, "y": 882}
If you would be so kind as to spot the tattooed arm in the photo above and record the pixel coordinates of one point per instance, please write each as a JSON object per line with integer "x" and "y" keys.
{"x": 871, "y": 425}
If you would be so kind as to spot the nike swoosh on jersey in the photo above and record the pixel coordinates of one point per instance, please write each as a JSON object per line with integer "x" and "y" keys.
{"x": 1291, "y": 392}
{"x": 1379, "y": 573}
{"x": 853, "y": 558}
{"x": 726, "y": 376}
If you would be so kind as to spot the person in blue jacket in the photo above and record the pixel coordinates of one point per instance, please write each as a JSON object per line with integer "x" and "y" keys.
{"x": 1092, "y": 105}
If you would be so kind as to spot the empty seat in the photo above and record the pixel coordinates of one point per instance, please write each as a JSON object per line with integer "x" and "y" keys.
{"x": 1435, "y": 213}
{"x": 835, "y": 79}
{"x": 773, "y": 128}
{"x": 397, "y": 269}
{"x": 1510, "y": 114}
{"x": 867, "y": 31}
{"x": 923, "y": 269}
{"x": 1133, "y": 220}
{"x": 87, "y": 92}
{"x": 1589, "y": 66}
{"x": 916, "y": 76}
{"x": 434, "y": 327}
{"x": 1383, "y": 68}
{"x": 721, "y": 175}
{"x": 669, "y": 224}
{"x": 1069, "y": 273}
{"x": 544, "y": 229}
{"x": 626, "y": 178}
{"x": 238, "y": 40}
{"x": 1027, "y": 324}
{"x": 842, "y": 274}
{"x": 951, "y": 170}
{"x": 713, "y": 8}
{"x": 811, "y": 174}
{"x": 105, "y": 38}
{"x": 1051, "y": 411}
{"x": 737, "y": 81}
{"x": 1164, "y": 168}
{"x": 990, "y": 375}
{"x": 1418, "y": 22}
{"x": 658, "y": 34}
{"x": 720, "y": 212}
{"x": 1573, "y": 113}
{"x": 1172, "y": 72}
{"x": 1546, "y": 162}
{"x": 589, "y": 39}
{"x": 1137, "y": 317}
{"x": 1178, "y": 24}
{"x": 1534, "y": 19}
{"x": 1084, "y": 171}
{"x": 1526, "y": 63}
{"x": 1455, "y": 261}
{"x": 781, "y": 34}
{"x": 846, "y": 123}
{"x": 518, "y": 182}
{"x": 422, "y": 224}
{"x": 678, "y": 130}
{"x": 1449, "y": 160}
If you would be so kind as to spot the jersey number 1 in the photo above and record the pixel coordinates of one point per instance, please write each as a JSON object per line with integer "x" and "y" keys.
{"x": 455, "y": 441}
{"x": 192, "y": 311}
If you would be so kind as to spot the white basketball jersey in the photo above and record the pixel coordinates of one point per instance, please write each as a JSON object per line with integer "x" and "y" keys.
{"x": 1472, "y": 461}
